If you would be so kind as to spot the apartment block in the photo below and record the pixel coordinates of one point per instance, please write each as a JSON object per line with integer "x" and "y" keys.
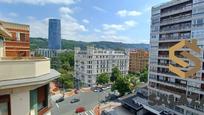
{"x": 138, "y": 60}
{"x": 92, "y": 62}
{"x": 16, "y": 39}
{"x": 170, "y": 23}
{"x": 24, "y": 83}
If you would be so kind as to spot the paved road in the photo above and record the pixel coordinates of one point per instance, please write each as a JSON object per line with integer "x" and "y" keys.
{"x": 87, "y": 100}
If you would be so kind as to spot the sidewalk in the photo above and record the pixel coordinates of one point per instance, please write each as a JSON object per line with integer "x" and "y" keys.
{"x": 99, "y": 108}
{"x": 85, "y": 89}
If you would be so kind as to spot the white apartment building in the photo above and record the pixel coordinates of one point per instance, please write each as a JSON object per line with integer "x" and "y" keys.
{"x": 172, "y": 22}
{"x": 91, "y": 62}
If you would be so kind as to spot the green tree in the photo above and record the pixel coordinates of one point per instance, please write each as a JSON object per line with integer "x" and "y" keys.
{"x": 64, "y": 63}
{"x": 55, "y": 63}
{"x": 66, "y": 78}
{"x": 115, "y": 74}
{"x": 121, "y": 85}
{"x": 132, "y": 79}
{"x": 144, "y": 75}
{"x": 102, "y": 79}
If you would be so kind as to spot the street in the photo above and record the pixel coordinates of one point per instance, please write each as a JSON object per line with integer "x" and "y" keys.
{"x": 87, "y": 100}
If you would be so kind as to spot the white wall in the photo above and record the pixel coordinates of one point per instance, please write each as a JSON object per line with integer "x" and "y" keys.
{"x": 20, "y": 103}
{"x": 1, "y": 49}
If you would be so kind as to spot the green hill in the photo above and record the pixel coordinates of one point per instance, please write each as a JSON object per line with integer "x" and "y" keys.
{"x": 70, "y": 44}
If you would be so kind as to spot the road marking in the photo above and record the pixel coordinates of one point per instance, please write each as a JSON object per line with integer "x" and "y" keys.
{"x": 89, "y": 112}
{"x": 57, "y": 105}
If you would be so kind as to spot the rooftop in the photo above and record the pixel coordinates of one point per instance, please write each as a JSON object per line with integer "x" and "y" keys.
{"x": 14, "y": 25}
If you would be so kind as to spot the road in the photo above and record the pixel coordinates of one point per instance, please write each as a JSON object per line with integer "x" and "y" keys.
{"x": 87, "y": 100}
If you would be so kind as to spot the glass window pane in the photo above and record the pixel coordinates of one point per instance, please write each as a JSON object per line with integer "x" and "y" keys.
{"x": 4, "y": 108}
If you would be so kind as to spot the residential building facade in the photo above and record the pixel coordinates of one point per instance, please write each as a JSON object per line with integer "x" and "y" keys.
{"x": 54, "y": 37}
{"x": 16, "y": 39}
{"x": 92, "y": 62}
{"x": 24, "y": 84}
{"x": 170, "y": 23}
{"x": 138, "y": 60}
{"x": 50, "y": 53}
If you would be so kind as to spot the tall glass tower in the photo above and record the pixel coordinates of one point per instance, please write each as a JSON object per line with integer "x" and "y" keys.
{"x": 54, "y": 37}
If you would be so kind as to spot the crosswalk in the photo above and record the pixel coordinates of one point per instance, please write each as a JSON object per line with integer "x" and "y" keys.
{"x": 87, "y": 113}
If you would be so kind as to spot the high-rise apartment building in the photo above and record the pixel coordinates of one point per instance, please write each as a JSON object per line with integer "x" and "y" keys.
{"x": 54, "y": 37}
{"x": 15, "y": 38}
{"x": 172, "y": 22}
{"x": 24, "y": 82}
{"x": 92, "y": 62}
{"x": 138, "y": 60}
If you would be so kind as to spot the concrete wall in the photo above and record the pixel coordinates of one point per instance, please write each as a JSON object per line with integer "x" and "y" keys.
{"x": 1, "y": 50}
{"x": 13, "y": 69}
{"x": 20, "y": 100}
{"x": 20, "y": 103}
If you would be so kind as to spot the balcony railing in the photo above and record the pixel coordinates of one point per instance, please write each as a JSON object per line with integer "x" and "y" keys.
{"x": 177, "y": 10}
{"x": 17, "y": 44}
{"x": 176, "y": 20}
{"x": 173, "y": 38}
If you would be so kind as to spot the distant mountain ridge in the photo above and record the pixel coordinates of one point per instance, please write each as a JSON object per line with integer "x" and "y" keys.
{"x": 70, "y": 44}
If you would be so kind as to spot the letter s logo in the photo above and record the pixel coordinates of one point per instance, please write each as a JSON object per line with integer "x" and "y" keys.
{"x": 196, "y": 61}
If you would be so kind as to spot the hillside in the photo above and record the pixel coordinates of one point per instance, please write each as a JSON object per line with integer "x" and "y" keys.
{"x": 70, "y": 44}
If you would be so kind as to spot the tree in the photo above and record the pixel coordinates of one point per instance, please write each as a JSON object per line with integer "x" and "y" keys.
{"x": 64, "y": 63}
{"x": 132, "y": 79}
{"x": 102, "y": 79}
{"x": 144, "y": 75}
{"x": 115, "y": 74}
{"x": 66, "y": 78}
{"x": 55, "y": 63}
{"x": 121, "y": 85}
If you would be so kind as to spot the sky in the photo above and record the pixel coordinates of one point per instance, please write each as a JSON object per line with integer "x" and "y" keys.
{"x": 125, "y": 21}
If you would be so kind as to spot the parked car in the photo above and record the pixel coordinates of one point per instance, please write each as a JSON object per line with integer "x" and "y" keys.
{"x": 60, "y": 100}
{"x": 98, "y": 89}
{"x": 74, "y": 100}
{"x": 57, "y": 98}
{"x": 80, "y": 110}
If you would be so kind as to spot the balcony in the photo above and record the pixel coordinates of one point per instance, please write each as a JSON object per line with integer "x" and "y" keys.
{"x": 170, "y": 84}
{"x": 174, "y": 20}
{"x": 173, "y": 39}
{"x": 11, "y": 69}
{"x": 16, "y": 44}
{"x": 177, "y": 10}
{"x": 16, "y": 71}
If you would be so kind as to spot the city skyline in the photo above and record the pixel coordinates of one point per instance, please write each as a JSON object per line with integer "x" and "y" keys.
{"x": 80, "y": 19}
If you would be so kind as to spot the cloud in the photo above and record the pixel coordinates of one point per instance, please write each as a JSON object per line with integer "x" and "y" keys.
{"x": 85, "y": 21}
{"x": 70, "y": 28}
{"x": 65, "y": 10}
{"x": 13, "y": 14}
{"x": 99, "y": 9}
{"x": 116, "y": 27}
{"x": 97, "y": 30}
{"x": 38, "y": 28}
{"x": 130, "y": 23}
{"x": 119, "y": 27}
{"x": 125, "y": 13}
{"x": 40, "y": 2}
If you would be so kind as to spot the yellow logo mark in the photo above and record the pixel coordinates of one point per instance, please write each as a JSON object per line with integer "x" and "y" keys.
{"x": 196, "y": 61}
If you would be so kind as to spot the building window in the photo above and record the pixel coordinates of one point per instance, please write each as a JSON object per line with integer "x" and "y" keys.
{"x": 39, "y": 100}
{"x": 22, "y": 37}
{"x": 5, "y": 105}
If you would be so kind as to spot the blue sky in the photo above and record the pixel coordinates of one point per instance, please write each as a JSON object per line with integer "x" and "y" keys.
{"x": 125, "y": 21}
